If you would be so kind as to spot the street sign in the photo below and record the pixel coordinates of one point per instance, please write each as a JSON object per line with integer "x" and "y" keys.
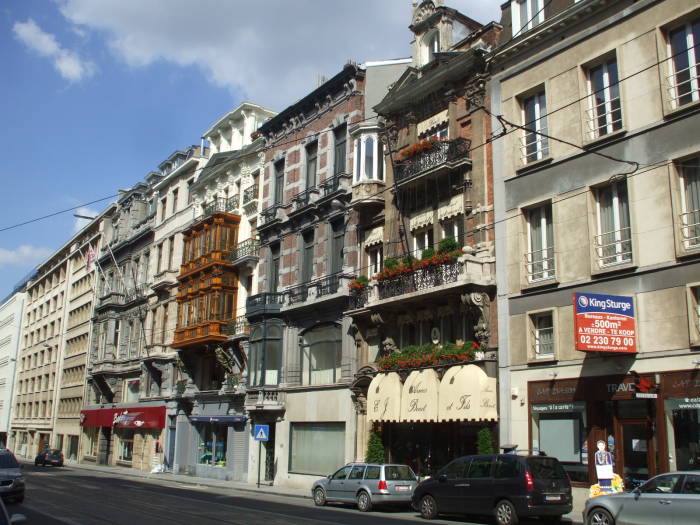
{"x": 261, "y": 432}
{"x": 604, "y": 323}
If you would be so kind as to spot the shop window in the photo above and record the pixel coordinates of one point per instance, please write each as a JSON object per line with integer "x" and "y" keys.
{"x": 321, "y": 353}
{"x": 614, "y": 240}
{"x": 534, "y": 145}
{"x": 92, "y": 434}
{"x": 126, "y": 444}
{"x": 539, "y": 259}
{"x": 542, "y": 335}
{"x": 212, "y": 444}
{"x": 265, "y": 354}
{"x": 689, "y": 179}
{"x": 604, "y": 114}
{"x": 316, "y": 448}
{"x": 558, "y": 429}
{"x": 683, "y": 423}
{"x": 684, "y": 80}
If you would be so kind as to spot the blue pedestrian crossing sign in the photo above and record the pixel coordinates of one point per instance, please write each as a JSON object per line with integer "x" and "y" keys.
{"x": 261, "y": 432}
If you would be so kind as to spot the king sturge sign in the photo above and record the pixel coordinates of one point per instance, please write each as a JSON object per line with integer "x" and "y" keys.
{"x": 604, "y": 323}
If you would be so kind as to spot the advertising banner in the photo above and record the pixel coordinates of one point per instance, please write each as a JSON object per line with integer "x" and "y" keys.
{"x": 134, "y": 417}
{"x": 604, "y": 323}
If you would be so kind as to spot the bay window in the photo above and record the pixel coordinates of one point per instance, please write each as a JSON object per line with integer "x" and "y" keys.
{"x": 369, "y": 158}
{"x": 321, "y": 352}
{"x": 265, "y": 354}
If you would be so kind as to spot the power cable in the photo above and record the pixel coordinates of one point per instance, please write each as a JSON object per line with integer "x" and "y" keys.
{"x": 56, "y": 213}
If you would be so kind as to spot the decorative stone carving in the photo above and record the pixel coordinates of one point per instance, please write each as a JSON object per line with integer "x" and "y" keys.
{"x": 422, "y": 12}
{"x": 388, "y": 347}
{"x": 482, "y": 329}
{"x": 225, "y": 360}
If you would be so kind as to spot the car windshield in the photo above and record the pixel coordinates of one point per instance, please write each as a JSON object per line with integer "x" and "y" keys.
{"x": 8, "y": 461}
{"x": 545, "y": 468}
{"x": 399, "y": 473}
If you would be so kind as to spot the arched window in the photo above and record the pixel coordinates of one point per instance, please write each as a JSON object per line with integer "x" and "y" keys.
{"x": 433, "y": 45}
{"x": 321, "y": 352}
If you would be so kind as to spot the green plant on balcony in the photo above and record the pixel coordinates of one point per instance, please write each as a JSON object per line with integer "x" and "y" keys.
{"x": 409, "y": 264}
{"x": 359, "y": 284}
{"x": 422, "y": 356}
{"x": 448, "y": 244}
{"x": 427, "y": 253}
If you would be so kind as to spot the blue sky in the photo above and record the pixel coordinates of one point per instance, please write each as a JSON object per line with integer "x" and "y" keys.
{"x": 94, "y": 94}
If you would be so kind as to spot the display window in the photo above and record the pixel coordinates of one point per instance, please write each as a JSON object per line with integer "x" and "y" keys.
{"x": 212, "y": 444}
{"x": 683, "y": 427}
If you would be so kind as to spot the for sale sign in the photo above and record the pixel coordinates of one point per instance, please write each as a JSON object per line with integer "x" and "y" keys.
{"x": 604, "y": 323}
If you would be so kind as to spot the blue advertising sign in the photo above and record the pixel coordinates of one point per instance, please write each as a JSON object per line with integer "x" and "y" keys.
{"x": 261, "y": 432}
{"x": 604, "y": 323}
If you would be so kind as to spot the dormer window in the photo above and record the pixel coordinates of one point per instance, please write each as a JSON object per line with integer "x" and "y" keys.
{"x": 433, "y": 45}
{"x": 526, "y": 14}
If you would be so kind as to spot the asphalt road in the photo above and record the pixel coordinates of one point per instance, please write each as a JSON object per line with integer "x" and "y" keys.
{"x": 76, "y": 496}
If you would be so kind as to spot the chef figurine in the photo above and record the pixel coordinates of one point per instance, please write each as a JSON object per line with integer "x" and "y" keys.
{"x": 604, "y": 467}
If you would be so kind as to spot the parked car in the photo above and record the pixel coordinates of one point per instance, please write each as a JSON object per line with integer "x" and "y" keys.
{"x": 11, "y": 479}
{"x": 367, "y": 484}
{"x": 6, "y": 519}
{"x": 666, "y": 498}
{"x": 506, "y": 486}
{"x": 49, "y": 457}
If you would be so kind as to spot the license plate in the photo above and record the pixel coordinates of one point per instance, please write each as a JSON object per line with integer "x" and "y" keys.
{"x": 552, "y": 497}
{"x": 402, "y": 488}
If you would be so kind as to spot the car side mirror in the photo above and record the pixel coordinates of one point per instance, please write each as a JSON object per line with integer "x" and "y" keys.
{"x": 442, "y": 478}
{"x": 18, "y": 518}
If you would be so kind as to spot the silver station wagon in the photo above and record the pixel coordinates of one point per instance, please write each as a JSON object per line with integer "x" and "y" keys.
{"x": 367, "y": 484}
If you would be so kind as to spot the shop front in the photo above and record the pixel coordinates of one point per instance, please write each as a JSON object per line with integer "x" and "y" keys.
{"x": 129, "y": 436}
{"x": 433, "y": 415}
{"x": 650, "y": 422}
{"x": 212, "y": 441}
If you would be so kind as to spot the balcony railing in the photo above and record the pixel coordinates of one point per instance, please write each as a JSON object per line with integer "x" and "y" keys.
{"x": 265, "y": 298}
{"x": 604, "y": 118}
{"x": 614, "y": 247}
{"x": 332, "y": 184}
{"x": 421, "y": 279}
{"x": 533, "y": 146}
{"x": 441, "y": 153}
{"x": 303, "y": 199}
{"x": 220, "y": 205}
{"x": 250, "y": 194}
{"x": 298, "y": 294}
{"x": 247, "y": 248}
{"x": 239, "y": 326}
{"x": 690, "y": 228}
{"x": 684, "y": 85}
{"x": 265, "y": 399}
{"x": 358, "y": 299}
{"x": 269, "y": 214}
{"x": 539, "y": 264}
{"x": 328, "y": 285}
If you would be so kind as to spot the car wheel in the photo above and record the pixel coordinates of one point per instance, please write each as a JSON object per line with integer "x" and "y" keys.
{"x": 319, "y": 497}
{"x": 600, "y": 517}
{"x": 364, "y": 502}
{"x": 505, "y": 513}
{"x": 428, "y": 507}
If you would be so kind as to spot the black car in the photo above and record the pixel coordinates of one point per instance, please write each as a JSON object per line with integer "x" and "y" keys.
{"x": 49, "y": 457}
{"x": 505, "y": 486}
{"x": 11, "y": 479}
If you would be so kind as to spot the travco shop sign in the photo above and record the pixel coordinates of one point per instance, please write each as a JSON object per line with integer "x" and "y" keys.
{"x": 604, "y": 323}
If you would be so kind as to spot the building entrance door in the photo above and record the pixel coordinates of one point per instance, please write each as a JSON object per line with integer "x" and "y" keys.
{"x": 270, "y": 455}
{"x": 636, "y": 455}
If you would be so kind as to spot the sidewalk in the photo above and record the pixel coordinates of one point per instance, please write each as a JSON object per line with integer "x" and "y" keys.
{"x": 580, "y": 494}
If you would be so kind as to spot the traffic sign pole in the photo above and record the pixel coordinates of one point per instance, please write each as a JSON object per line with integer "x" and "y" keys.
{"x": 259, "y": 450}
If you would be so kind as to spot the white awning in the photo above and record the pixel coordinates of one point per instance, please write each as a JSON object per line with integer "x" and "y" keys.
{"x": 434, "y": 121}
{"x": 374, "y": 236}
{"x": 467, "y": 393}
{"x": 384, "y": 397}
{"x": 421, "y": 220}
{"x": 454, "y": 208}
{"x": 419, "y": 397}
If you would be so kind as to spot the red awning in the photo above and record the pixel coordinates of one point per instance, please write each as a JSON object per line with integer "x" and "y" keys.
{"x": 134, "y": 417}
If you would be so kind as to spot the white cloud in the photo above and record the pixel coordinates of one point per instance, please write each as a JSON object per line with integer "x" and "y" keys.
{"x": 68, "y": 64}
{"x": 25, "y": 255}
{"x": 79, "y": 222}
{"x": 268, "y": 51}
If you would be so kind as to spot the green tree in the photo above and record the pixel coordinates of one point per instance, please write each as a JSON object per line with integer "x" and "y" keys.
{"x": 375, "y": 448}
{"x": 484, "y": 441}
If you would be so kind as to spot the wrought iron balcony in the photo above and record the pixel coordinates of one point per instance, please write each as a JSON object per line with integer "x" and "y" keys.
{"x": 313, "y": 290}
{"x": 250, "y": 194}
{"x": 358, "y": 299}
{"x": 263, "y": 303}
{"x": 237, "y": 327}
{"x": 268, "y": 214}
{"x": 303, "y": 199}
{"x": 328, "y": 285}
{"x": 334, "y": 184}
{"x": 613, "y": 247}
{"x": 442, "y": 153}
{"x": 298, "y": 294}
{"x": 220, "y": 205}
{"x": 420, "y": 279}
{"x": 245, "y": 250}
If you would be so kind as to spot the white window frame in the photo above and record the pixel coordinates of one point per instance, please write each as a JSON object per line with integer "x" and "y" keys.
{"x": 360, "y": 166}
{"x": 547, "y": 258}
{"x": 693, "y": 54}
{"x": 619, "y": 257}
{"x": 540, "y": 126}
{"x": 611, "y": 125}
{"x": 375, "y": 259}
{"x": 688, "y": 218}
{"x": 536, "y": 334}
{"x": 423, "y": 233}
